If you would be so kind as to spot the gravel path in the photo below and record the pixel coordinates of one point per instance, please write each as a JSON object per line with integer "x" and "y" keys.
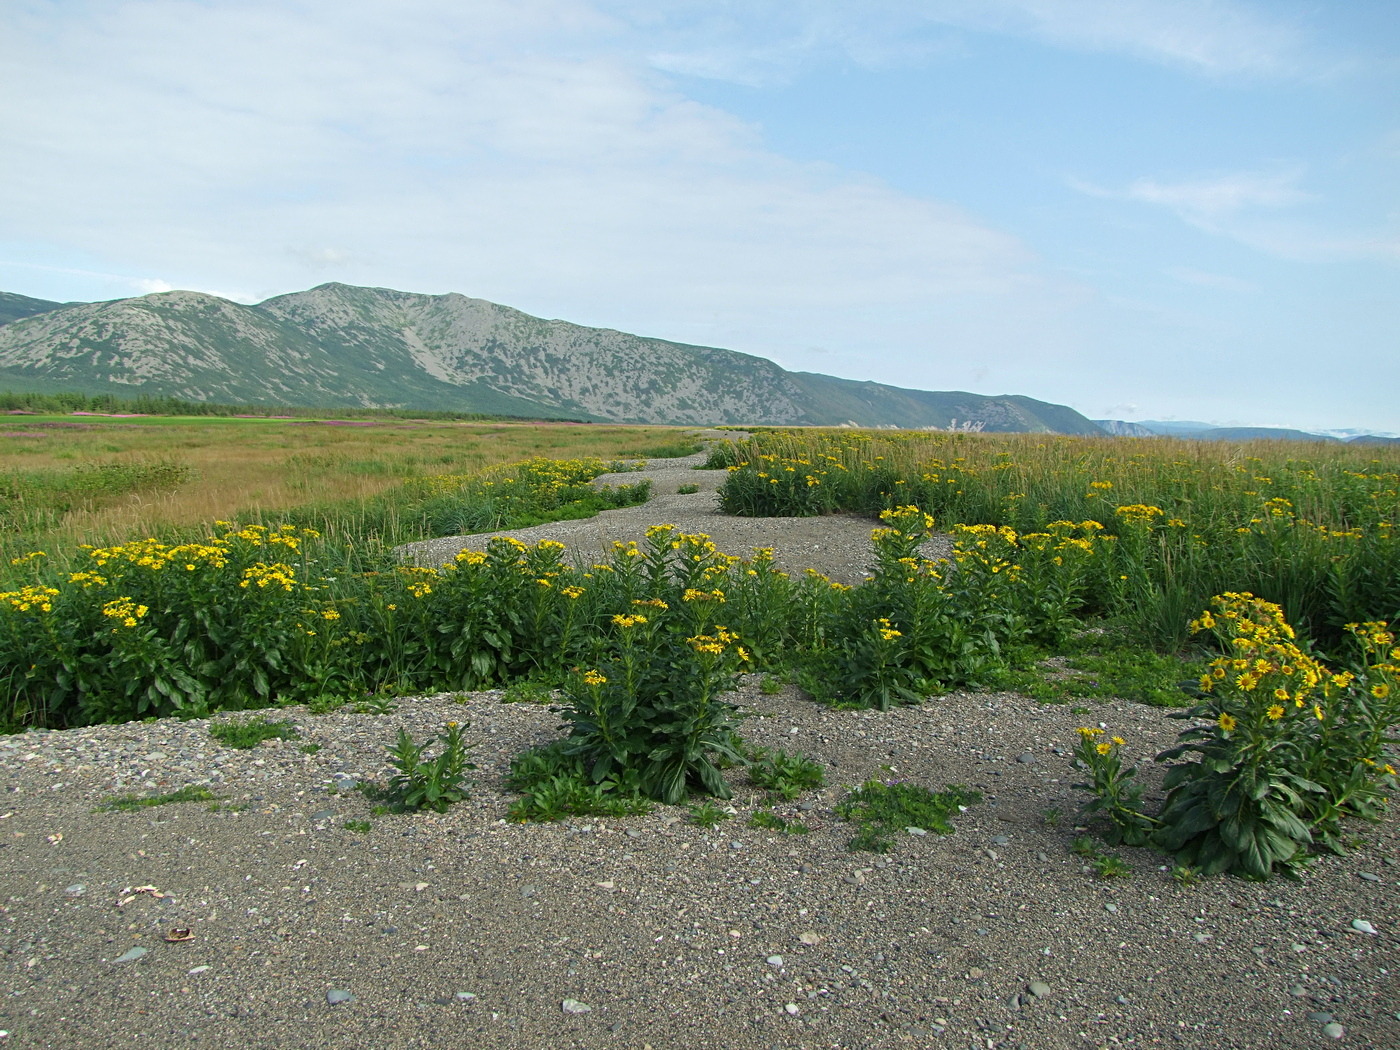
{"x": 462, "y": 930}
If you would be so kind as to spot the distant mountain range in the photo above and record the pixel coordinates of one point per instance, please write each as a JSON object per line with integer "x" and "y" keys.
{"x": 338, "y": 345}
{"x": 1209, "y": 432}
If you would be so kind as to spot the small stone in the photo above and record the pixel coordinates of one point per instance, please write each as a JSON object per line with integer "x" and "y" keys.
{"x": 323, "y": 814}
{"x": 1320, "y": 1017}
{"x": 131, "y": 955}
{"x": 1121, "y": 1000}
{"x": 1200, "y": 938}
{"x": 1112, "y": 909}
{"x": 197, "y": 970}
{"x": 76, "y": 890}
{"x": 792, "y": 1009}
{"x": 1333, "y": 1030}
{"x": 806, "y": 807}
{"x": 1362, "y": 926}
{"x": 633, "y": 833}
{"x": 573, "y": 1006}
{"x": 528, "y": 890}
{"x": 1014, "y": 1003}
{"x": 917, "y": 831}
{"x": 774, "y": 960}
{"x": 336, "y": 996}
{"x": 465, "y": 996}
{"x": 736, "y": 844}
{"x": 1298, "y": 991}
{"x": 1025, "y": 759}
{"x": 1298, "y": 947}
{"x": 810, "y": 937}
{"x": 1001, "y": 840}
{"x": 1039, "y": 989}
{"x": 1369, "y": 876}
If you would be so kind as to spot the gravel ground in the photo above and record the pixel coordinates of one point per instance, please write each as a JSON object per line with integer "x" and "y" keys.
{"x": 464, "y": 930}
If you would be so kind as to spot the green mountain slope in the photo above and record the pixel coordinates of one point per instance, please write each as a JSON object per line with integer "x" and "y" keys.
{"x": 13, "y": 307}
{"x": 342, "y": 345}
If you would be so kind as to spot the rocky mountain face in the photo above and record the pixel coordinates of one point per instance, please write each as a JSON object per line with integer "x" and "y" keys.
{"x": 343, "y": 345}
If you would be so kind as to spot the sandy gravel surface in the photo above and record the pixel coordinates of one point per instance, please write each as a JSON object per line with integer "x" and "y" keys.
{"x": 462, "y": 930}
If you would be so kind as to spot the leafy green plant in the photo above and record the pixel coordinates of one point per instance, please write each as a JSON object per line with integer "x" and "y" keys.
{"x": 1116, "y": 794}
{"x": 360, "y": 827}
{"x": 1285, "y": 749}
{"x": 1051, "y": 815}
{"x": 770, "y": 821}
{"x": 1108, "y": 866}
{"x": 1186, "y": 875}
{"x": 309, "y": 749}
{"x": 708, "y": 814}
{"x": 132, "y": 803}
{"x": 771, "y": 685}
{"x": 882, "y": 810}
{"x": 554, "y": 785}
{"x": 431, "y": 783}
{"x": 251, "y": 732}
{"x": 785, "y": 775}
{"x": 686, "y": 490}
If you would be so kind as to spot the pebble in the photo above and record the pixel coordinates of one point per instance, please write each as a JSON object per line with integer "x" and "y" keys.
{"x": 1025, "y": 759}
{"x": 1362, "y": 926}
{"x": 464, "y": 996}
{"x": 793, "y": 1009}
{"x": 1320, "y": 1016}
{"x": 1298, "y": 991}
{"x": 76, "y": 890}
{"x": 1369, "y": 876}
{"x": 573, "y": 1006}
{"x": 336, "y": 996}
{"x": 775, "y": 960}
{"x": 1001, "y": 840}
{"x": 131, "y": 955}
{"x": 917, "y": 831}
{"x": 1333, "y": 1030}
{"x": 1039, "y": 989}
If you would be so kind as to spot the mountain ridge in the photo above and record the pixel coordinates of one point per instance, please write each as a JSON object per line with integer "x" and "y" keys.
{"x": 339, "y": 344}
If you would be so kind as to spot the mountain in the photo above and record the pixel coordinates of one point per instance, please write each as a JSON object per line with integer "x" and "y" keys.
{"x": 343, "y": 345}
{"x": 13, "y": 307}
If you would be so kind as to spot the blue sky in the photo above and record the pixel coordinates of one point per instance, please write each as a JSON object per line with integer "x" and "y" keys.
{"x": 1170, "y": 209}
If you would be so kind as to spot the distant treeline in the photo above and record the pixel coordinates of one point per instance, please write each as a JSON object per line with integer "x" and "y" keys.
{"x": 150, "y": 405}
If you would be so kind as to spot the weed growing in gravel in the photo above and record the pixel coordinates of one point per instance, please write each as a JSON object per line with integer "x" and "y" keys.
{"x": 785, "y": 775}
{"x": 528, "y": 691}
{"x": 770, "y": 821}
{"x": 708, "y": 815}
{"x": 132, "y": 803}
{"x": 431, "y": 783}
{"x": 1051, "y": 815}
{"x": 881, "y": 811}
{"x": 1185, "y": 875}
{"x": 251, "y": 732}
{"x": 375, "y": 705}
{"x": 360, "y": 827}
{"x": 686, "y": 490}
{"x": 1108, "y": 866}
{"x": 771, "y": 685}
{"x": 554, "y": 785}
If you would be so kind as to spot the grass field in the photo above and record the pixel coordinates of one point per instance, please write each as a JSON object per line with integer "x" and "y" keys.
{"x": 66, "y": 480}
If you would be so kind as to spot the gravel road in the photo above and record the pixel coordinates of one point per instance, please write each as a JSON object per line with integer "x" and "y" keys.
{"x": 462, "y": 930}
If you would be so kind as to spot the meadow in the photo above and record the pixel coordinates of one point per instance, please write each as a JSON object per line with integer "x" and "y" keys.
{"x": 1170, "y": 544}
{"x": 66, "y": 480}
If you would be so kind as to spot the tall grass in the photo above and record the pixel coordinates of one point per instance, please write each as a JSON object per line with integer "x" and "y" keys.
{"x": 64, "y": 483}
{"x": 1310, "y": 527}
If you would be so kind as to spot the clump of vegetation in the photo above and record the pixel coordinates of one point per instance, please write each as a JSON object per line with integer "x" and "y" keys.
{"x": 251, "y": 732}
{"x": 785, "y": 775}
{"x": 708, "y": 815}
{"x": 431, "y": 783}
{"x": 883, "y": 810}
{"x": 1284, "y": 748}
{"x": 132, "y": 803}
{"x": 687, "y": 490}
{"x": 528, "y": 691}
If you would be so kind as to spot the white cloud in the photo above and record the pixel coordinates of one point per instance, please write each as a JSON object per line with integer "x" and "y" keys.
{"x": 1205, "y": 279}
{"x": 148, "y": 285}
{"x": 770, "y": 40}
{"x": 1215, "y": 199}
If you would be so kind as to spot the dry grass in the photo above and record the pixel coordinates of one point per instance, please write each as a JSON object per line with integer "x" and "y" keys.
{"x": 241, "y": 466}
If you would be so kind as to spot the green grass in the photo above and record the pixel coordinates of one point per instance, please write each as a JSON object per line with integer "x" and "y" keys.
{"x": 251, "y": 732}
{"x": 882, "y": 811}
{"x": 1104, "y": 665}
{"x": 132, "y": 803}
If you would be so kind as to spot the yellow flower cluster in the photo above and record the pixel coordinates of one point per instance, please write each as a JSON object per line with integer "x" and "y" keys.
{"x": 263, "y": 575}
{"x": 124, "y": 610}
{"x": 32, "y": 597}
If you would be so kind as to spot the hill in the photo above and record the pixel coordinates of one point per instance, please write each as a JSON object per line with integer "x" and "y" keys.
{"x": 340, "y": 345}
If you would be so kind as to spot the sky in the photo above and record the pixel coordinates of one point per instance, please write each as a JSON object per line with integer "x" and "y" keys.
{"x": 1143, "y": 209}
